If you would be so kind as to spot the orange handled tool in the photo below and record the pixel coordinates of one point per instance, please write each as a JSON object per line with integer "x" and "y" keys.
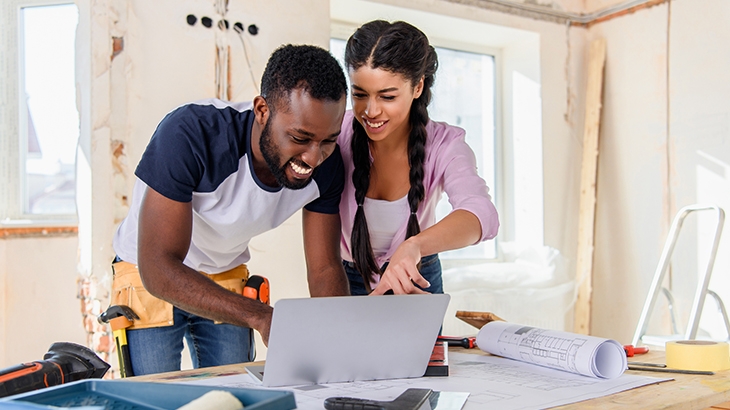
{"x": 257, "y": 288}
{"x": 631, "y": 350}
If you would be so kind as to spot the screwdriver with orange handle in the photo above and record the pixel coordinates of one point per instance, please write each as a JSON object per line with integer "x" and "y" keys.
{"x": 632, "y": 350}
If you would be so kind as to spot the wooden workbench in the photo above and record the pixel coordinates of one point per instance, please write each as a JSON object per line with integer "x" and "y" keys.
{"x": 686, "y": 392}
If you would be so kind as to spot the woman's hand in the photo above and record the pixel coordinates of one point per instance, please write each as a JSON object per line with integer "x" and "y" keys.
{"x": 402, "y": 274}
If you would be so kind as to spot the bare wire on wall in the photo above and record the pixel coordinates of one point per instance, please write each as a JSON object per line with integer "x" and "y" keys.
{"x": 239, "y": 30}
{"x": 222, "y": 58}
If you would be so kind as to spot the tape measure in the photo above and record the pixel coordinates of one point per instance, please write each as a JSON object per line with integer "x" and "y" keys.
{"x": 698, "y": 355}
{"x": 257, "y": 288}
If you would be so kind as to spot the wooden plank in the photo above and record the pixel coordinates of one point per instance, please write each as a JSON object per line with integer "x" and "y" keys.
{"x": 477, "y": 319}
{"x": 589, "y": 170}
{"x": 36, "y": 231}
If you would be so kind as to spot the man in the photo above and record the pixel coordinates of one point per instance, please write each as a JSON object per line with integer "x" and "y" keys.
{"x": 215, "y": 175}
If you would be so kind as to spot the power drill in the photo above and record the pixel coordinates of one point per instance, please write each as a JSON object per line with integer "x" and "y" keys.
{"x": 65, "y": 362}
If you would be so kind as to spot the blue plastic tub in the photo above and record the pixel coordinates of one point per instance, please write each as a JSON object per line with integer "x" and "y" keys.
{"x": 129, "y": 395}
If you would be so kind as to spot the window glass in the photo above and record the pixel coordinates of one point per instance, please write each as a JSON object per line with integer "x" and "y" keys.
{"x": 48, "y": 116}
{"x": 463, "y": 95}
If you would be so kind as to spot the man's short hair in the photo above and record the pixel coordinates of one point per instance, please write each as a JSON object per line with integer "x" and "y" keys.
{"x": 306, "y": 67}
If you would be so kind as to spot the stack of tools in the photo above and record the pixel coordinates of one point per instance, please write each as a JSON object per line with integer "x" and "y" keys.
{"x": 438, "y": 364}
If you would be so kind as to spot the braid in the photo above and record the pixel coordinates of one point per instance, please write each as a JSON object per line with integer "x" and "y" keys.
{"x": 417, "y": 142}
{"x": 416, "y": 157}
{"x": 362, "y": 251}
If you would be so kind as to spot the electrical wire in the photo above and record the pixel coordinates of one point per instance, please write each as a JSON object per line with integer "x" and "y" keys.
{"x": 239, "y": 31}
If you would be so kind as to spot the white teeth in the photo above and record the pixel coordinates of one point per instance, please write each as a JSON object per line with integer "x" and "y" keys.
{"x": 300, "y": 170}
{"x": 375, "y": 124}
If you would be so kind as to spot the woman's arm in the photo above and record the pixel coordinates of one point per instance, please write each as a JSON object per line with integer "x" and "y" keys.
{"x": 473, "y": 219}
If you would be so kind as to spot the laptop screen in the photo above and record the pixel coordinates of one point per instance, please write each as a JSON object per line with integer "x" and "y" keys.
{"x": 352, "y": 338}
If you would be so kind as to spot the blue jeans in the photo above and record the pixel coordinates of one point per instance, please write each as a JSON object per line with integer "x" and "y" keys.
{"x": 158, "y": 349}
{"x": 430, "y": 270}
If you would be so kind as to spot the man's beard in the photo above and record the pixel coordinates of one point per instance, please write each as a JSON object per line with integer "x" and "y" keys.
{"x": 271, "y": 156}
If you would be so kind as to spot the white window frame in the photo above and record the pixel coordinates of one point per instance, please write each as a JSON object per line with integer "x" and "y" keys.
{"x": 13, "y": 121}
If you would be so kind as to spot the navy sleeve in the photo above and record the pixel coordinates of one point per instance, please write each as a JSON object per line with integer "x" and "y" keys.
{"x": 193, "y": 149}
{"x": 330, "y": 179}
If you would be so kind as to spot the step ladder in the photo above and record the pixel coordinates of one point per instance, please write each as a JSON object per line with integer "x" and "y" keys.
{"x": 702, "y": 284}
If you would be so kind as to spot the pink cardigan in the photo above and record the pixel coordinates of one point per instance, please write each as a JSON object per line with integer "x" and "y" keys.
{"x": 450, "y": 167}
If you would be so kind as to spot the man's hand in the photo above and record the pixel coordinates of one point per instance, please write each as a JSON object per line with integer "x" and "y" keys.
{"x": 402, "y": 274}
{"x": 264, "y": 326}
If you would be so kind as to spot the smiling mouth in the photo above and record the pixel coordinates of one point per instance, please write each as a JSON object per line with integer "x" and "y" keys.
{"x": 374, "y": 124}
{"x": 300, "y": 170}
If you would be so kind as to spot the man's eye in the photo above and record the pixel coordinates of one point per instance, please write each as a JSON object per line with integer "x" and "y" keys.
{"x": 299, "y": 140}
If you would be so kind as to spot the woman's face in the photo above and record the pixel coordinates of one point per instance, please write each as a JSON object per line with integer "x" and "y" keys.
{"x": 381, "y": 101}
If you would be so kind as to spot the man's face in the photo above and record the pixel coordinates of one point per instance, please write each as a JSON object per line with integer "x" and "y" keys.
{"x": 299, "y": 137}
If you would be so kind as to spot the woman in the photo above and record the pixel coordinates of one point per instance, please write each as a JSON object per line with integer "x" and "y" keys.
{"x": 398, "y": 164}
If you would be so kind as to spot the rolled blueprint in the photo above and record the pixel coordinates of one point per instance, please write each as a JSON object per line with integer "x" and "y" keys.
{"x": 586, "y": 355}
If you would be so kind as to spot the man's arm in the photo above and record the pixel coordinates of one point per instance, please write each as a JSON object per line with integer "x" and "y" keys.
{"x": 325, "y": 273}
{"x": 165, "y": 229}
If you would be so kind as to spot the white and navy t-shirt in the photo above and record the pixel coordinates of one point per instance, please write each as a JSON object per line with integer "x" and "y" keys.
{"x": 201, "y": 152}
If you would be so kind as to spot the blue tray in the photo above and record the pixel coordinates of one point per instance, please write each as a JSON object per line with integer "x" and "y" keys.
{"x": 129, "y": 395}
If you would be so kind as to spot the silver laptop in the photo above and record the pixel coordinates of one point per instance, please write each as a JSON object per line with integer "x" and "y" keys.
{"x": 351, "y": 338}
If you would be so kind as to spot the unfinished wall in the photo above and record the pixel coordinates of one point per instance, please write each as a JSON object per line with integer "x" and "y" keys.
{"x": 3, "y": 304}
{"x": 663, "y": 146}
{"x": 38, "y": 295}
{"x": 699, "y": 130}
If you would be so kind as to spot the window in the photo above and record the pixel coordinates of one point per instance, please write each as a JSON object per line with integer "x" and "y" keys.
{"x": 40, "y": 131}
{"x": 463, "y": 95}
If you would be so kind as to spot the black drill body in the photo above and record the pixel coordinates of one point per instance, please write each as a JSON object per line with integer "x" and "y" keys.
{"x": 64, "y": 363}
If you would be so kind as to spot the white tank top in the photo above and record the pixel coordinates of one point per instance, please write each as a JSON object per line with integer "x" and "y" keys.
{"x": 384, "y": 219}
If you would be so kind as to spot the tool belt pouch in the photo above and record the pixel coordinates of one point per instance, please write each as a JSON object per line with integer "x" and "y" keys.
{"x": 127, "y": 290}
{"x": 233, "y": 280}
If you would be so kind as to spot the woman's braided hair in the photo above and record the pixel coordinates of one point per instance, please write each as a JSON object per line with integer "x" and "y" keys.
{"x": 403, "y": 49}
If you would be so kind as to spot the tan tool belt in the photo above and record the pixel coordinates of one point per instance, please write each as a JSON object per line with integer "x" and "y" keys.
{"x": 127, "y": 290}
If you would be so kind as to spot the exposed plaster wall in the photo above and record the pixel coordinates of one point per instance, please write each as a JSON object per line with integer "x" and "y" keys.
{"x": 39, "y": 281}
{"x": 699, "y": 145}
{"x": 631, "y": 208}
{"x": 663, "y": 146}
{"x": 3, "y": 304}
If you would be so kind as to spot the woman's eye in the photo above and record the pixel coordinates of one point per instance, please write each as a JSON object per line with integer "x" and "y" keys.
{"x": 358, "y": 95}
{"x": 388, "y": 97}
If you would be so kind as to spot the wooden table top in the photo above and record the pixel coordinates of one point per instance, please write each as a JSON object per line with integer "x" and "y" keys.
{"x": 685, "y": 392}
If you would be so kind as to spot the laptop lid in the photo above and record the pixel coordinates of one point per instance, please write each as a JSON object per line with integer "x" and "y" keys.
{"x": 352, "y": 338}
